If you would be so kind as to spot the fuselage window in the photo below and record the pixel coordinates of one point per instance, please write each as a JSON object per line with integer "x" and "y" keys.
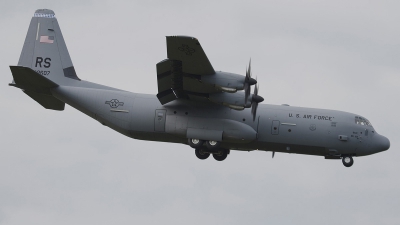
{"x": 362, "y": 121}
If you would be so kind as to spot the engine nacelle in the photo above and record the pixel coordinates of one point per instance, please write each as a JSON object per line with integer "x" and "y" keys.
{"x": 227, "y": 82}
{"x": 232, "y": 100}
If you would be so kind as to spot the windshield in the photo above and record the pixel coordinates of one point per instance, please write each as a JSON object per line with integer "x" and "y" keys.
{"x": 362, "y": 121}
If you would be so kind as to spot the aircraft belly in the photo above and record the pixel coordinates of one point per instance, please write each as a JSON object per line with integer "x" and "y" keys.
{"x": 280, "y": 147}
{"x": 340, "y": 147}
{"x": 284, "y": 131}
{"x": 176, "y": 125}
{"x": 97, "y": 103}
{"x": 72, "y": 96}
{"x": 157, "y": 136}
{"x": 143, "y": 114}
{"x": 305, "y": 131}
{"x": 143, "y": 117}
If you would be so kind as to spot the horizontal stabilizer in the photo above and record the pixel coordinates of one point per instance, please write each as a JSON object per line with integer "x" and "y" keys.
{"x": 47, "y": 101}
{"x": 36, "y": 86}
{"x": 27, "y": 79}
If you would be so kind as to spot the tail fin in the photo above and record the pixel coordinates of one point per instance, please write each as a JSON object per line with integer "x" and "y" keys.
{"x": 44, "y": 62}
{"x": 44, "y": 49}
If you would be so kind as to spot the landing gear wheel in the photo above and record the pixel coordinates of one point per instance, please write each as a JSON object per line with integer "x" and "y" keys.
{"x": 213, "y": 145}
{"x": 201, "y": 154}
{"x": 220, "y": 155}
{"x": 347, "y": 161}
{"x": 195, "y": 143}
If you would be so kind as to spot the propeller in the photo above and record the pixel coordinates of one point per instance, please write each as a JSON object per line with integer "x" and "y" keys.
{"x": 273, "y": 154}
{"x": 255, "y": 99}
{"x": 248, "y": 81}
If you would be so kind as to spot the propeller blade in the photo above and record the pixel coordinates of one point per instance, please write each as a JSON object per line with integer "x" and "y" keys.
{"x": 254, "y": 110}
{"x": 248, "y": 74}
{"x": 255, "y": 99}
{"x": 247, "y": 90}
{"x": 273, "y": 154}
{"x": 254, "y": 102}
{"x": 247, "y": 82}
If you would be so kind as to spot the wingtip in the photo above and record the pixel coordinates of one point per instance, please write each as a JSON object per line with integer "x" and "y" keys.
{"x": 181, "y": 36}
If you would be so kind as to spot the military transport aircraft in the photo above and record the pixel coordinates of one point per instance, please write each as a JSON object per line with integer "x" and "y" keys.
{"x": 212, "y": 112}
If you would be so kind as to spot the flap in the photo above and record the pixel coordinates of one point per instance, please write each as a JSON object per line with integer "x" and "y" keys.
{"x": 170, "y": 81}
{"x": 166, "y": 81}
{"x": 189, "y": 51}
{"x": 204, "y": 134}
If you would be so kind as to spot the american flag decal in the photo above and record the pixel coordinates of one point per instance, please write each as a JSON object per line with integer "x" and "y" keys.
{"x": 47, "y": 39}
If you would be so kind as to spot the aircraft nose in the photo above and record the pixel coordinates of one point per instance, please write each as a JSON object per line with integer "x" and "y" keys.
{"x": 385, "y": 143}
{"x": 382, "y": 143}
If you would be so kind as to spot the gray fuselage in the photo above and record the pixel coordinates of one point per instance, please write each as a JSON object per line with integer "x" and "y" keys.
{"x": 277, "y": 128}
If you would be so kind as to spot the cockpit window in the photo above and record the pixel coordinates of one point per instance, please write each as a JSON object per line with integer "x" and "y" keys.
{"x": 362, "y": 121}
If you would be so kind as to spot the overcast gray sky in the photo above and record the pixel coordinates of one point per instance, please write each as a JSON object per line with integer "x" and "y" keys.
{"x": 65, "y": 168}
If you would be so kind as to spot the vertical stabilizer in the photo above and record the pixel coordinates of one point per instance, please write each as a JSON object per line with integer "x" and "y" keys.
{"x": 45, "y": 50}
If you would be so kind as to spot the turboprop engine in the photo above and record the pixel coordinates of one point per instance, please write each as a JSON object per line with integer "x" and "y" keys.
{"x": 235, "y": 100}
{"x": 238, "y": 100}
{"x": 228, "y": 82}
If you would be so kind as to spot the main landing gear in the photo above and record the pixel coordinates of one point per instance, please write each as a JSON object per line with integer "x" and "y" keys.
{"x": 347, "y": 161}
{"x": 219, "y": 155}
{"x": 201, "y": 154}
{"x": 211, "y": 147}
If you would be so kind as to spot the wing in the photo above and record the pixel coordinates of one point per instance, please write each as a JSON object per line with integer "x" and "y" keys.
{"x": 189, "y": 51}
{"x": 188, "y": 74}
{"x": 181, "y": 73}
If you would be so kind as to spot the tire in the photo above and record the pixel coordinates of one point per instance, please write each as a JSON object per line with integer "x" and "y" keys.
{"x": 221, "y": 155}
{"x": 213, "y": 145}
{"x": 200, "y": 154}
{"x": 347, "y": 161}
{"x": 195, "y": 143}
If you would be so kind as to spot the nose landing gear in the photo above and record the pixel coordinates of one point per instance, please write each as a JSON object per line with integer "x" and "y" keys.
{"x": 347, "y": 161}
